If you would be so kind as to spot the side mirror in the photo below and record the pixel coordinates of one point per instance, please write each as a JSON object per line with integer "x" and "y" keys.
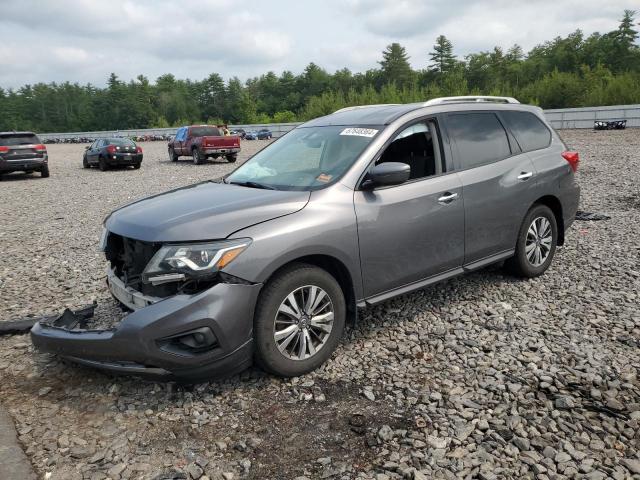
{"x": 386, "y": 174}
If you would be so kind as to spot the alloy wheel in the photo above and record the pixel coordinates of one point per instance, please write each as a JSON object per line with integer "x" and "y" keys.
{"x": 303, "y": 322}
{"x": 539, "y": 241}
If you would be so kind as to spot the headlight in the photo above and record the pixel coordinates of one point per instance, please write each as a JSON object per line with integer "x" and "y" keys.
{"x": 200, "y": 261}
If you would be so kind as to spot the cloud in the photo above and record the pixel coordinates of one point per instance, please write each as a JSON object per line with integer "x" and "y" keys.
{"x": 85, "y": 40}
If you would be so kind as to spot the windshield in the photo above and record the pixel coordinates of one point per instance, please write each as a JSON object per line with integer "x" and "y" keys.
{"x": 305, "y": 158}
{"x": 205, "y": 132}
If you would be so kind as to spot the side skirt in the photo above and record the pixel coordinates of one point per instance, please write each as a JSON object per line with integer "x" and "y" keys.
{"x": 469, "y": 267}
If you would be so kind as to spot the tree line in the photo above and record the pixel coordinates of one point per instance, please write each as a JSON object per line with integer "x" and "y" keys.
{"x": 571, "y": 71}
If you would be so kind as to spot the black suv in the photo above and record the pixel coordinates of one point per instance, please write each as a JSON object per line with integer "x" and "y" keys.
{"x": 23, "y": 152}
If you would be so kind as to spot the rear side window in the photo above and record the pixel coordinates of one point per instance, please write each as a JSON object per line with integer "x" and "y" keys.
{"x": 18, "y": 139}
{"x": 529, "y": 130}
{"x": 480, "y": 138}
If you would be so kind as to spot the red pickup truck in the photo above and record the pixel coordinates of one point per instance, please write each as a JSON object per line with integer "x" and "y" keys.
{"x": 202, "y": 142}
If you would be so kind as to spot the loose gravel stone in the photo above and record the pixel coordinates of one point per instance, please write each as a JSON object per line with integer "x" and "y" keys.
{"x": 483, "y": 376}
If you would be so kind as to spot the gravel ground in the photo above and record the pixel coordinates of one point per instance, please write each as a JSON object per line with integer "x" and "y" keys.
{"x": 484, "y": 376}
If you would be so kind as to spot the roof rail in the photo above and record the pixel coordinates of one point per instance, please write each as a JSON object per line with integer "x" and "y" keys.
{"x": 470, "y": 99}
{"x": 357, "y": 107}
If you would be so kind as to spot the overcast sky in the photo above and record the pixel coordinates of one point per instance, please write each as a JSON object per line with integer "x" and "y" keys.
{"x": 84, "y": 40}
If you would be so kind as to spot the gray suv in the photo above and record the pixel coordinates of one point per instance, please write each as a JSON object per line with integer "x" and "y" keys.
{"x": 345, "y": 211}
{"x": 23, "y": 152}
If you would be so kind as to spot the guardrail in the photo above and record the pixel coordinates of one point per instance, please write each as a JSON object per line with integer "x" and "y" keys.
{"x": 559, "y": 119}
{"x": 584, "y": 117}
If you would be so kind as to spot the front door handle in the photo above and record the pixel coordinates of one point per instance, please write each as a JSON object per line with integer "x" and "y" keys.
{"x": 447, "y": 198}
{"x": 525, "y": 175}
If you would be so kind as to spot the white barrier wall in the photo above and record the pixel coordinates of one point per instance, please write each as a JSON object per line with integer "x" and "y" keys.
{"x": 584, "y": 117}
{"x": 559, "y": 119}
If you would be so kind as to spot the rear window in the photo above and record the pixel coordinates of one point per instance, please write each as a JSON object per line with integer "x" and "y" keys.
{"x": 205, "y": 132}
{"x": 480, "y": 138}
{"x": 124, "y": 142}
{"x": 530, "y": 132}
{"x": 19, "y": 139}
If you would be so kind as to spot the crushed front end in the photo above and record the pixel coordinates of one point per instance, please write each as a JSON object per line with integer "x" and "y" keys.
{"x": 181, "y": 325}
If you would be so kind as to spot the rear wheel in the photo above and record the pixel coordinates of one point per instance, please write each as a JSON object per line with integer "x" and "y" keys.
{"x": 172, "y": 155}
{"x": 299, "y": 320}
{"x": 197, "y": 158}
{"x": 102, "y": 164}
{"x": 44, "y": 171}
{"x": 232, "y": 158}
{"x": 537, "y": 241}
{"x": 136, "y": 166}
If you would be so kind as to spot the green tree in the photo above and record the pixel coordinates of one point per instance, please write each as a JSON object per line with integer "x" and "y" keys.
{"x": 395, "y": 65}
{"x": 442, "y": 58}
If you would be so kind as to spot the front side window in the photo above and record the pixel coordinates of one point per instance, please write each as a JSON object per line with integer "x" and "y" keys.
{"x": 306, "y": 158}
{"x": 414, "y": 146}
{"x": 479, "y": 137}
{"x": 530, "y": 132}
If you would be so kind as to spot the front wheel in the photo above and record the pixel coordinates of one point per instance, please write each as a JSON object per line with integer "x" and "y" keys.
{"x": 172, "y": 155}
{"x": 85, "y": 163}
{"x": 299, "y": 320}
{"x": 536, "y": 245}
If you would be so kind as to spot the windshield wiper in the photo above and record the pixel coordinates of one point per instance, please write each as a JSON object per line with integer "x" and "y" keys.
{"x": 253, "y": 185}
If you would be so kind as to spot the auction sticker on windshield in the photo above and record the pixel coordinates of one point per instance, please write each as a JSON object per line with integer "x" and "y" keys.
{"x": 359, "y": 132}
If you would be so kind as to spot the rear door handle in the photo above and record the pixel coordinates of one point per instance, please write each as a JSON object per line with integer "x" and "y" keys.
{"x": 447, "y": 198}
{"x": 525, "y": 175}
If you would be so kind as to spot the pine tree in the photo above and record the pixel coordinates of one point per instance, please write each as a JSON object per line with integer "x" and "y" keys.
{"x": 442, "y": 58}
{"x": 395, "y": 65}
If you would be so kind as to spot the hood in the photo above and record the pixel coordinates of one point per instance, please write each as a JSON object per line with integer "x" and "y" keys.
{"x": 205, "y": 211}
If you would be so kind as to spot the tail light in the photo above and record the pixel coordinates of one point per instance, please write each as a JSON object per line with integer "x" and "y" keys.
{"x": 40, "y": 148}
{"x": 4, "y": 149}
{"x": 573, "y": 158}
{"x": 111, "y": 149}
{"x": 138, "y": 149}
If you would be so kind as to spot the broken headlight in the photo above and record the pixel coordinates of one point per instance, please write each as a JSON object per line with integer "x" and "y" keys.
{"x": 200, "y": 261}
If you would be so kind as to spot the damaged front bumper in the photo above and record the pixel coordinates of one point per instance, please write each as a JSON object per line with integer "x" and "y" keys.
{"x": 184, "y": 337}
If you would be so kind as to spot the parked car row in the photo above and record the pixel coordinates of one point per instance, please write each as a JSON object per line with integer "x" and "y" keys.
{"x": 263, "y": 134}
{"x": 136, "y": 138}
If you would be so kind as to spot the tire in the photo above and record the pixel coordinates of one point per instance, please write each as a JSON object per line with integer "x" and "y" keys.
{"x": 85, "y": 163}
{"x": 197, "y": 159}
{"x": 232, "y": 158}
{"x": 172, "y": 155}
{"x": 44, "y": 171}
{"x": 297, "y": 279}
{"x": 535, "y": 251}
{"x": 136, "y": 166}
{"x": 102, "y": 164}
